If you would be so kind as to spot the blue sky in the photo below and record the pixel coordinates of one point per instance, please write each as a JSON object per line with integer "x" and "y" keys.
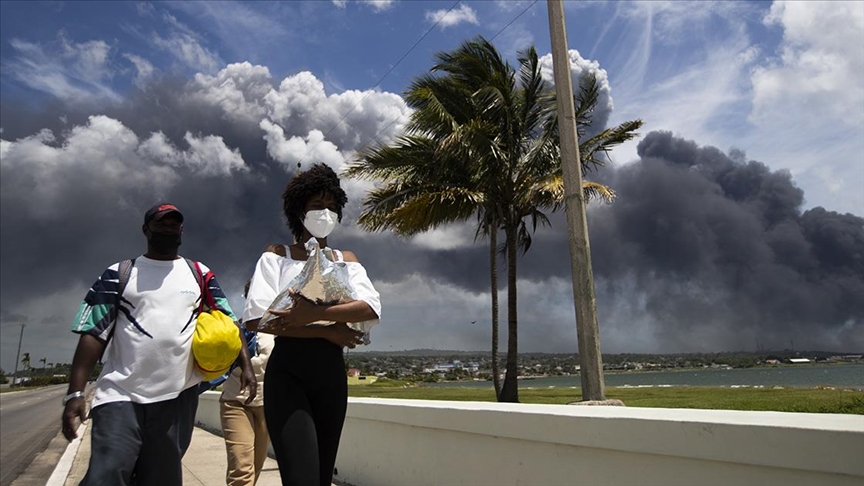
{"x": 784, "y": 83}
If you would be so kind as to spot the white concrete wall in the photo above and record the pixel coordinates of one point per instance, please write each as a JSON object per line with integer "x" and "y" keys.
{"x": 423, "y": 442}
{"x": 207, "y": 415}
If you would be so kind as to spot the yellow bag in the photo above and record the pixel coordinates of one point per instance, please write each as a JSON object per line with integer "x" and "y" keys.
{"x": 216, "y": 342}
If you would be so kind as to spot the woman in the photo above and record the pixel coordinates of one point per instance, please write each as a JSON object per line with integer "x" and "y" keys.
{"x": 307, "y": 389}
{"x": 243, "y": 424}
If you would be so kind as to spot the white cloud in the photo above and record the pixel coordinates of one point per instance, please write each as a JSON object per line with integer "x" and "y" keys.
{"x": 291, "y": 151}
{"x": 350, "y": 119}
{"x": 143, "y": 67}
{"x": 145, "y": 9}
{"x": 185, "y": 45}
{"x": 40, "y": 175}
{"x": 89, "y": 58}
{"x": 821, "y": 63}
{"x": 454, "y": 17}
{"x": 449, "y": 237}
{"x": 813, "y": 90}
{"x": 511, "y": 5}
{"x": 238, "y": 90}
{"x": 579, "y": 67}
{"x": 65, "y": 69}
{"x": 379, "y": 5}
{"x": 242, "y": 27}
{"x": 43, "y": 175}
{"x": 299, "y": 105}
{"x": 186, "y": 49}
{"x": 206, "y": 155}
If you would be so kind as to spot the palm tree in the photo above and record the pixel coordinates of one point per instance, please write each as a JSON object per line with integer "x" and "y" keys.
{"x": 480, "y": 143}
{"x": 26, "y": 361}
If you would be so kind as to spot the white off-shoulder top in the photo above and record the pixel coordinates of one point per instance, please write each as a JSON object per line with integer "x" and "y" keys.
{"x": 274, "y": 272}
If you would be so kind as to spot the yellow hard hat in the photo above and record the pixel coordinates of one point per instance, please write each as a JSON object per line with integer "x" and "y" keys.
{"x": 215, "y": 344}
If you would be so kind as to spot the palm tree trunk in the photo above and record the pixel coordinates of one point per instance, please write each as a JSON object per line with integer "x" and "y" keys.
{"x": 493, "y": 269}
{"x": 510, "y": 390}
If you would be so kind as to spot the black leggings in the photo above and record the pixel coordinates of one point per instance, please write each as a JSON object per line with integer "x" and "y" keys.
{"x": 305, "y": 399}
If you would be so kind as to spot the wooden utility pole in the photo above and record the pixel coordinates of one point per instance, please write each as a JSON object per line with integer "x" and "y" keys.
{"x": 17, "y": 358}
{"x": 591, "y": 365}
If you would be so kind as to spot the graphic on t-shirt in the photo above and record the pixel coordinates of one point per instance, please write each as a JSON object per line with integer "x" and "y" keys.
{"x": 95, "y": 316}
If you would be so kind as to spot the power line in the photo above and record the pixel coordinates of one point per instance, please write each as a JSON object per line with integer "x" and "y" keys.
{"x": 514, "y": 20}
{"x": 428, "y": 31}
{"x": 375, "y": 137}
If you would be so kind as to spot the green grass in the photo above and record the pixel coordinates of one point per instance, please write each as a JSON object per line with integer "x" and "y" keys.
{"x": 810, "y": 400}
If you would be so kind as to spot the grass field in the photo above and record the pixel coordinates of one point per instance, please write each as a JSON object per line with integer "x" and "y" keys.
{"x": 811, "y": 400}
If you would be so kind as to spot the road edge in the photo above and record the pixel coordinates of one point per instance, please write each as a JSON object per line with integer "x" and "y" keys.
{"x": 61, "y": 471}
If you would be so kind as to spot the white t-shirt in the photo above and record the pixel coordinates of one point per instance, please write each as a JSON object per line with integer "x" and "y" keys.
{"x": 274, "y": 272}
{"x": 149, "y": 356}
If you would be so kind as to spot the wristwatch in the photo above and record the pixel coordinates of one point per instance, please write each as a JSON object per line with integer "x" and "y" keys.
{"x": 73, "y": 395}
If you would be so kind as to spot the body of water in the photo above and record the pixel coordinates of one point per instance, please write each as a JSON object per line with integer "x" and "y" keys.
{"x": 801, "y": 376}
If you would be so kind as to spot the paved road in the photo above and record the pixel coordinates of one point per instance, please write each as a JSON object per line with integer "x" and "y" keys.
{"x": 28, "y": 421}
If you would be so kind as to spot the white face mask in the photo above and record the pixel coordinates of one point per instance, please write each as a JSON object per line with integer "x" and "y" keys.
{"x": 321, "y": 222}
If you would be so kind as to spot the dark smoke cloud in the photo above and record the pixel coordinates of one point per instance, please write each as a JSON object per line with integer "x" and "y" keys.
{"x": 711, "y": 239}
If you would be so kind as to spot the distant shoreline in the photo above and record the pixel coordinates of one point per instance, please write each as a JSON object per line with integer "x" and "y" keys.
{"x": 808, "y": 375}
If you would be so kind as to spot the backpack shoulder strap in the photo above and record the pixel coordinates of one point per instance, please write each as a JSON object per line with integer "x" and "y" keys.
{"x": 196, "y": 270}
{"x": 125, "y": 271}
{"x": 207, "y": 302}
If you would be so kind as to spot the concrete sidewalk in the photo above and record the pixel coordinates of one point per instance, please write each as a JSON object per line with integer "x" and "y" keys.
{"x": 204, "y": 463}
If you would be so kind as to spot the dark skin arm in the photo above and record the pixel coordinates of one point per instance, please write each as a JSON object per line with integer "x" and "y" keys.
{"x": 339, "y": 333}
{"x": 247, "y": 376}
{"x": 87, "y": 353}
{"x": 293, "y": 322}
{"x": 305, "y": 312}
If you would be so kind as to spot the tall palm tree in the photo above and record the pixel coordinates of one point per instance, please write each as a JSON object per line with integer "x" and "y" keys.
{"x": 25, "y": 360}
{"x": 480, "y": 143}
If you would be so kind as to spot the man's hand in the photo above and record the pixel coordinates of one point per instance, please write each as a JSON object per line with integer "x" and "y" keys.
{"x": 75, "y": 409}
{"x": 247, "y": 374}
{"x": 248, "y": 382}
{"x": 89, "y": 349}
{"x": 343, "y": 336}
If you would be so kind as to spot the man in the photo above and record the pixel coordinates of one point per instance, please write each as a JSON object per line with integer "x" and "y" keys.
{"x": 144, "y": 404}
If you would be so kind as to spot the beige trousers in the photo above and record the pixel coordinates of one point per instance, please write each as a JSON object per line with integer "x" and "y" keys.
{"x": 245, "y": 440}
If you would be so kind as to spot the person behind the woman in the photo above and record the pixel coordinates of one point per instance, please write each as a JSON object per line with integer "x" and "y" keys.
{"x": 243, "y": 424}
{"x": 307, "y": 388}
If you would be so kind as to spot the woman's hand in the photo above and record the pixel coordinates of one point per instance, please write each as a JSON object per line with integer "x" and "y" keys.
{"x": 301, "y": 313}
{"x": 343, "y": 336}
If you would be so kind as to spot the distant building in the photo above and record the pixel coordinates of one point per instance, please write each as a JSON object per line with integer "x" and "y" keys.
{"x": 799, "y": 360}
{"x": 353, "y": 372}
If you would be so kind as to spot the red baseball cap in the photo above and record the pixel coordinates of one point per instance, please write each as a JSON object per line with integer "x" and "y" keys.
{"x": 160, "y": 210}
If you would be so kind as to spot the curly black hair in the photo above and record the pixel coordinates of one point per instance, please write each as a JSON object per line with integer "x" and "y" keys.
{"x": 318, "y": 179}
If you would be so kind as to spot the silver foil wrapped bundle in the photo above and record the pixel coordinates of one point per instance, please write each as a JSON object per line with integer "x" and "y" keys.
{"x": 323, "y": 280}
